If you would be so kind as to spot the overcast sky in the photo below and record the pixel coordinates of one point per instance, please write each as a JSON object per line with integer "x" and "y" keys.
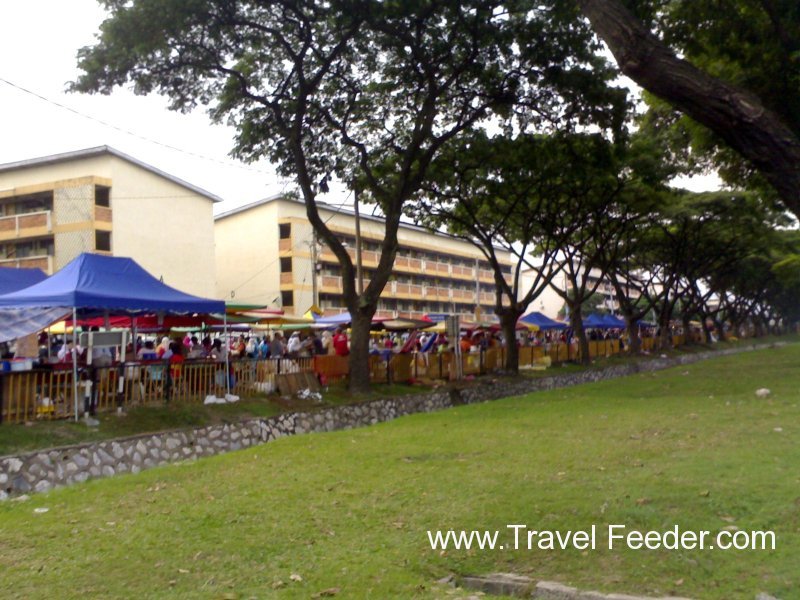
{"x": 39, "y": 44}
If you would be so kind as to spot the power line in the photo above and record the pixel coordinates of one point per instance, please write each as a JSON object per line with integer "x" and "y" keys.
{"x": 131, "y": 133}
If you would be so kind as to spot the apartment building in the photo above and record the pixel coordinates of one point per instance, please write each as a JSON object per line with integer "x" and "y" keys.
{"x": 101, "y": 200}
{"x": 267, "y": 254}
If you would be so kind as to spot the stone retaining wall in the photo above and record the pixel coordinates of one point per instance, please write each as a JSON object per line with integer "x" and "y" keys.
{"x": 43, "y": 470}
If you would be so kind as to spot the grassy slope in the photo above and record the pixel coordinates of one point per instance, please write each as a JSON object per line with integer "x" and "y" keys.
{"x": 18, "y": 438}
{"x": 691, "y": 446}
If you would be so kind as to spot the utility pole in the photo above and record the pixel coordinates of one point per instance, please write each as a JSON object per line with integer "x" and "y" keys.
{"x": 478, "y": 310}
{"x": 314, "y": 261}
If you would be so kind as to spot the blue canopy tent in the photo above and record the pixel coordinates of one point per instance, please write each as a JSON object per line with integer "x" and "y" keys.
{"x": 92, "y": 282}
{"x": 111, "y": 283}
{"x": 12, "y": 280}
{"x": 613, "y": 321}
{"x": 541, "y": 321}
{"x": 595, "y": 321}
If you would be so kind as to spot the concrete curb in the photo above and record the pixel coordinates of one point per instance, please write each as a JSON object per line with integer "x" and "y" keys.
{"x": 519, "y": 586}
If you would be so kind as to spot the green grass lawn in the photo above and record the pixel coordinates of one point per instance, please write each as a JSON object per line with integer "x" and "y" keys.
{"x": 691, "y": 446}
{"x": 18, "y": 438}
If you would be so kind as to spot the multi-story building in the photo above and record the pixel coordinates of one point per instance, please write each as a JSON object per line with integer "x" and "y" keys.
{"x": 267, "y": 254}
{"x": 551, "y": 303}
{"x": 101, "y": 200}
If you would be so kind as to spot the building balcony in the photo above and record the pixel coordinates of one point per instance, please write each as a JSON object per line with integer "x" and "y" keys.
{"x": 43, "y": 262}
{"x": 329, "y": 284}
{"x": 464, "y": 296}
{"x": 436, "y": 293}
{"x": 487, "y": 276}
{"x": 35, "y": 224}
{"x": 102, "y": 214}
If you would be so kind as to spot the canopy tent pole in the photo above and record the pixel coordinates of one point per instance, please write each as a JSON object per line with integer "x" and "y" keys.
{"x": 75, "y": 360}
{"x": 227, "y": 354}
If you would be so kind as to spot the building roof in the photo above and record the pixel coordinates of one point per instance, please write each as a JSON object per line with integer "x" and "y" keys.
{"x": 339, "y": 210}
{"x": 99, "y": 151}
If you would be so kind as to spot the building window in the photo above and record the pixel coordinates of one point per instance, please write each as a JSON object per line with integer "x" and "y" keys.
{"x": 102, "y": 196}
{"x": 286, "y": 264}
{"x": 102, "y": 241}
{"x": 285, "y": 231}
{"x": 287, "y": 298}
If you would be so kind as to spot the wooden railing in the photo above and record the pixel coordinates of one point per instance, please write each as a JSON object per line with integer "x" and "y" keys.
{"x": 48, "y": 393}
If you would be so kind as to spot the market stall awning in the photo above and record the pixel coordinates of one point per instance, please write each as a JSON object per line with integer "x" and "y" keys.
{"x": 12, "y": 280}
{"x": 613, "y": 321}
{"x": 541, "y": 321}
{"x": 112, "y": 283}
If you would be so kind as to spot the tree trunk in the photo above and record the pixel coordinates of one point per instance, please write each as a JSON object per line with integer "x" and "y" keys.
{"x": 635, "y": 342}
{"x": 665, "y": 339}
{"x": 687, "y": 329}
{"x": 576, "y": 321}
{"x": 733, "y": 113}
{"x": 720, "y": 329}
{"x": 359, "y": 350}
{"x": 706, "y": 330}
{"x": 758, "y": 329}
{"x": 508, "y": 320}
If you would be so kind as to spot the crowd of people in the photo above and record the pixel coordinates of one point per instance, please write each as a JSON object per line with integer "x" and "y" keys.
{"x": 309, "y": 343}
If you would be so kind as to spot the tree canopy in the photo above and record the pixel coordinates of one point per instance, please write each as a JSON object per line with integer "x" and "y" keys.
{"x": 732, "y": 66}
{"x": 363, "y": 91}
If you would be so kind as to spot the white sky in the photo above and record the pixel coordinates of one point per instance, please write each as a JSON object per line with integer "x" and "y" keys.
{"x": 39, "y": 44}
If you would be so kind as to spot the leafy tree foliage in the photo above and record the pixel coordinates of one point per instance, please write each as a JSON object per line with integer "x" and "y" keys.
{"x": 359, "y": 90}
{"x": 561, "y": 198}
{"x": 736, "y": 75}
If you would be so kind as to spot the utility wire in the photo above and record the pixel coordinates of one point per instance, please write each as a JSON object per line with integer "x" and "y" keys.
{"x": 129, "y": 132}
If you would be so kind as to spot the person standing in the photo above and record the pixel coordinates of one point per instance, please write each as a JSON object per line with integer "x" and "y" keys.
{"x": 276, "y": 347}
{"x": 340, "y": 344}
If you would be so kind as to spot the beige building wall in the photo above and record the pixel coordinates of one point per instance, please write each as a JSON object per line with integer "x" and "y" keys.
{"x": 249, "y": 252}
{"x": 165, "y": 227}
{"x": 247, "y": 266}
{"x": 168, "y": 228}
{"x": 549, "y": 302}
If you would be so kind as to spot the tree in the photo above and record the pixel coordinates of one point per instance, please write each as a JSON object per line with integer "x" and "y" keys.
{"x": 596, "y": 303}
{"x": 746, "y": 116}
{"x": 550, "y": 200}
{"x": 692, "y": 243}
{"x": 508, "y": 193}
{"x": 359, "y": 90}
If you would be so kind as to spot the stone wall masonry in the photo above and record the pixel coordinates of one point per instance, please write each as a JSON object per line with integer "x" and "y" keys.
{"x": 44, "y": 470}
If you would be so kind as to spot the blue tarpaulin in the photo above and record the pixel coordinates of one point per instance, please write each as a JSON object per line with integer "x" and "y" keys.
{"x": 613, "y": 321}
{"x": 541, "y": 321}
{"x": 12, "y": 280}
{"x": 594, "y": 321}
{"x": 112, "y": 283}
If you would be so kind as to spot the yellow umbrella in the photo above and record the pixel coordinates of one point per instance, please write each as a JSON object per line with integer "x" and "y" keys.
{"x": 265, "y": 320}
{"x": 59, "y": 328}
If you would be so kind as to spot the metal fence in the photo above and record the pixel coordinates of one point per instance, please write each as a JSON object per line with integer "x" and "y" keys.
{"x": 47, "y": 393}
